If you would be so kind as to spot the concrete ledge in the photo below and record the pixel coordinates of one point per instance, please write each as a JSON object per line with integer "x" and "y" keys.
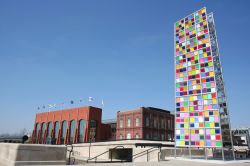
{"x": 210, "y": 161}
{"x": 32, "y": 154}
{"x": 85, "y": 150}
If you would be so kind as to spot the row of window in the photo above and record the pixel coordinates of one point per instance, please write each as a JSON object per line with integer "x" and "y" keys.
{"x": 57, "y": 126}
{"x": 156, "y": 124}
{"x": 137, "y": 122}
{"x": 154, "y": 136}
{"x": 128, "y": 136}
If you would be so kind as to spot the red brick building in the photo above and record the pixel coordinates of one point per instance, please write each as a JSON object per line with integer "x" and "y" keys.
{"x": 112, "y": 124}
{"x": 145, "y": 123}
{"x": 76, "y": 125}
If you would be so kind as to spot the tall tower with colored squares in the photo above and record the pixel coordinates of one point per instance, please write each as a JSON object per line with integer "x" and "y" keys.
{"x": 202, "y": 118}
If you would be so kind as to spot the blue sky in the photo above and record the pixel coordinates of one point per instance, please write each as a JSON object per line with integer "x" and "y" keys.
{"x": 118, "y": 51}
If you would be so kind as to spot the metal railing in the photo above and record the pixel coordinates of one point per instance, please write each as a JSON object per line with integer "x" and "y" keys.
{"x": 111, "y": 155}
{"x": 148, "y": 151}
{"x": 70, "y": 153}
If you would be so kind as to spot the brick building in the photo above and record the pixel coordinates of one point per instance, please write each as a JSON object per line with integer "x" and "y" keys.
{"x": 112, "y": 124}
{"x": 145, "y": 123}
{"x": 76, "y": 125}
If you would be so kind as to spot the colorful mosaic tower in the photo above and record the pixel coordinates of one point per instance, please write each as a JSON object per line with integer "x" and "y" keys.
{"x": 202, "y": 118}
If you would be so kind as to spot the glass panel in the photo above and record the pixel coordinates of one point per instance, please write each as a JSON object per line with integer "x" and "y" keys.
{"x": 197, "y": 114}
{"x": 56, "y": 130}
{"x": 81, "y": 131}
{"x": 37, "y": 129}
{"x": 48, "y": 138}
{"x": 64, "y": 131}
{"x": 42, "y": 133}
{"x": 72, "y": 131}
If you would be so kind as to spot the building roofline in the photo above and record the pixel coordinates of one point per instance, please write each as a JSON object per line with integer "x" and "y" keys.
{"x": 145, "y": 108}
{"x": 157, "y": 109}
{"x": 68, "y": 109}
{"x": 107, "y": 121}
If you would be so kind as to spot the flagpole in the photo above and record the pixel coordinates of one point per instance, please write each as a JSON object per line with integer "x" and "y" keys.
{"x": 72, "y": 102}
{"x": 90, "y": 100}
{"x": 62, "y": 105}
{"x": 102, "y": 104}
{"x": 80, "y": 100}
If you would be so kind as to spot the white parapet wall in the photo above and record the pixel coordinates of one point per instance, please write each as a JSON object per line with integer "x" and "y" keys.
{"x": 32, "y": 154}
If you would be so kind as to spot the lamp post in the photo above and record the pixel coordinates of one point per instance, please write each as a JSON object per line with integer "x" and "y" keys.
{"x": 89, "y": 145}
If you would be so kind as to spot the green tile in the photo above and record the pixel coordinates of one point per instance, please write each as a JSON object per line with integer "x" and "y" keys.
{"x": 218, "y": 143}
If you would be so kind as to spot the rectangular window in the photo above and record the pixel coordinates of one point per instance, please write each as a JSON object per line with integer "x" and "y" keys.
{"x": 129, "y": 122}
{"x": 169, "y": 137}
{"x": 128, "y": 136}
{"x": 137, "y": 122}
{"x": 121, "y": 123}
{"x": 169, "y": 124}
{"x": 147, "y": 121}
{"x": 162, "y": 123}
{"x": 155, "y": 123}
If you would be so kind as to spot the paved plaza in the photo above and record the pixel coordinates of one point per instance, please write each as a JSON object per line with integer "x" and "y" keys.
{"x": 178, "y": 162}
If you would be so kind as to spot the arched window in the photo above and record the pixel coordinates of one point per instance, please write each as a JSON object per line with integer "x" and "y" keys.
{"x": 42, "y": 133}
{"x": 37, "y": 129}
{"x": 64, "y": 131}
{"x": 81, "y": 131}
{"x": 48, "y": 138}
{"x": 56, "y": 130}
{"x": 72, "y": 131}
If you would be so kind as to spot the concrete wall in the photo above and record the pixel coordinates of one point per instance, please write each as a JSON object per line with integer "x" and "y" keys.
{"x": 31, "y": 154}
{"x": 81, "y": 151}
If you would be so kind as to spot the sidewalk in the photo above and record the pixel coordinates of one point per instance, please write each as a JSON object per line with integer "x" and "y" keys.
{"x": 179, "y": 162}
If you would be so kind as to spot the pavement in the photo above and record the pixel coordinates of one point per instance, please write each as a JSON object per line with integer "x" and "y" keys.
{"x": 173, "y": 162}
{"x": 179, "y": 162}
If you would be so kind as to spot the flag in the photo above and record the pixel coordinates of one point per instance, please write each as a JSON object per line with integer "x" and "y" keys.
{"x": 44, "y": 107}
{"x": 91, "y": 99}
{"x": 38, "y": 108}
{"x": 50, "y": 105}
{"x": 71, "y": 102}
{"x": 102, "y": 102}
{"x": 80, "y": 100}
